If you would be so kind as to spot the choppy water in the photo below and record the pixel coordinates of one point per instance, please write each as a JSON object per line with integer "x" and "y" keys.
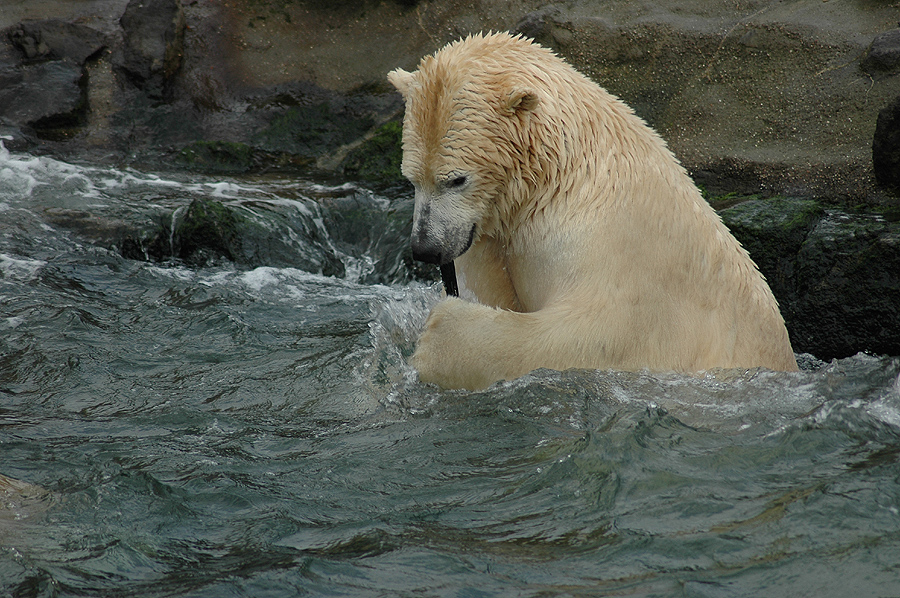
{"x": 216, "y": 431}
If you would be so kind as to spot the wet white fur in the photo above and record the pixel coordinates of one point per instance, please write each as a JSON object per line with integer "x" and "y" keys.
{"x": 593, "y": 248}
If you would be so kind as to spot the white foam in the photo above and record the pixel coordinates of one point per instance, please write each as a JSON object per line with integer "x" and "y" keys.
{"x": 226, "y": 189}
{"x": 19, "y": 268}
{"x": 260, "y": 277}
{"x": 300, "y": 206}
{"x": 14, "y": 321}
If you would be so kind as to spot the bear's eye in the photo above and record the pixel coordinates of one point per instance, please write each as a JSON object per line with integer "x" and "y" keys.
{"x": 457, "y": 182}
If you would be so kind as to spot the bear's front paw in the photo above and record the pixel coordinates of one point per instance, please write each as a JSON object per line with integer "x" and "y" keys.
{"x": 448, "y": 349}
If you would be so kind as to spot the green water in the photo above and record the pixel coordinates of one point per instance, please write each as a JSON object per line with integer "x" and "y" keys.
{"x": 216, "y": 431}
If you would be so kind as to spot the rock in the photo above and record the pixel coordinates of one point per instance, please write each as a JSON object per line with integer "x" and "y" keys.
{"x": 53, "y": 39}
{"x": 304, "y": 119}
{"x": 153, "y": 43}
{"x": 217, "y": 157}
{"x": 747, "y": 98}
{"x": 541, "y": 24}
{"x": 207, "y": 230}
{"x": 772, "y": 231}
{"x": 886, "y": 147}
{"x": 377, "y": 159}
{"x": 250, "y": 234}
{"x": 836, "y": 275}
{"x": 46, "y": 96}
{"x": 47, "y": 89}
{"x": 884, "y": 53}
{"x": 848, "y": 287}
{"x": 364, "y": 228}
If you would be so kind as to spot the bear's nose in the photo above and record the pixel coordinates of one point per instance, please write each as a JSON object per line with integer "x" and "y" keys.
{"x": 423, "y": 251}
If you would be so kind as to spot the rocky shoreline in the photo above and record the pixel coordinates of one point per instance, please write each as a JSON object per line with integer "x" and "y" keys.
{"x": 786, "y": 113}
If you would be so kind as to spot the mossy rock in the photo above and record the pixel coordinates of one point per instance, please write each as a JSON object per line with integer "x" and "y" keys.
{"x": 207, "y": 230}
{"x": 848, "y": 287}
{"x": 218, "y": 157}
{"x": 772, "y": 231}
{"x": 378, "y": 158}
{"x": 312, "y": 130}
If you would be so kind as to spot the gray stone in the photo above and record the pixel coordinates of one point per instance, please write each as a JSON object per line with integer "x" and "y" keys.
{"x": 154, "y": 43}
{"x": 836, "y": 274}
{"x": 884, "y": 53}
{"x": 53, "y": 39}
{"x": 44, "y": 95}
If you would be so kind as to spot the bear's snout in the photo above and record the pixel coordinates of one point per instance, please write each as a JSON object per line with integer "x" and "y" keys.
{"x": 440, "y": 249}
{"x": 426, "y": 253}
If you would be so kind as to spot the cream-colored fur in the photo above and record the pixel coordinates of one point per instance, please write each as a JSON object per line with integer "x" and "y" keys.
{"x": 579, "y": 240}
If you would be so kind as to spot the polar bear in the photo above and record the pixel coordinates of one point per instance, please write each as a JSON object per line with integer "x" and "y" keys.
{"x": 578, "y": 238}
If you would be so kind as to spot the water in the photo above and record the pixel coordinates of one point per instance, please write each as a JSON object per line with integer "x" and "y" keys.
{"x": 212, "y": 430}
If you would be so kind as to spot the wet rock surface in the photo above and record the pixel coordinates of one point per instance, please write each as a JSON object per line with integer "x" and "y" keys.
{"x": 46, "y": 97}
{"x": 836, "y": 274}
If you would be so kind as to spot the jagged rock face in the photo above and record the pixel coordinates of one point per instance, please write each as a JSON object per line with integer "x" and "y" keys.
{"x": 45, "y": 88}
{"x": 836, "y": 274}
{"x": 886, "y": 147}
{"x": 154, "y": 43}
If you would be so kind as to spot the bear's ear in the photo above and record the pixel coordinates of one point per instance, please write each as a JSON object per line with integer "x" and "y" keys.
{"x": 402, "y": 80}
{"x": 521, "y": 100}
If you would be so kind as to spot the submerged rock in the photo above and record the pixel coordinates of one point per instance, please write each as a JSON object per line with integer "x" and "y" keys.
{"x": 250, "y": 234}
{"x": 206, "y": 230}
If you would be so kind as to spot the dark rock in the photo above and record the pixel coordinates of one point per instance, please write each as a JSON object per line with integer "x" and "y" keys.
{"x": 848, "y": 284}
{"x": 836, "y": 275}
{"x": 378, "y": 158}
{"x": 310, "y": 123}
{"x": 207, "y": 230}
{"x": 886, "y": 147}
{"x": 363, "y": 228}
{"x": 102, "y": 230}
{"x": 45, "y": 89}
{"x": 285, "y": 234}
{"x": 153, "y": 43}
{"x": 250, "y": 234}
{"x": 217, "y": 157}
{"x": 46, "y": 96}
{"x": 539, "y": 24}
{"x": 53, "y": 39}
{"x": 884, "y": 53}
{"x": 772, "y": 231}
{"x": 12, "y": 137}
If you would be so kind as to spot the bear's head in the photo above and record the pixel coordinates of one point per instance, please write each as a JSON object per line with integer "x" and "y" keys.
{"x": 467, "y": 138}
